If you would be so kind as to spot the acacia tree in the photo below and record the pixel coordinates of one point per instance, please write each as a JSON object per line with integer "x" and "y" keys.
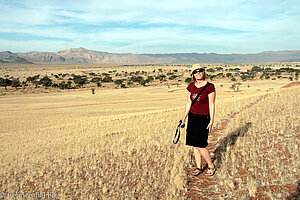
{"x": 5, "y": 82}
{"x": 15, "y": 83}
{"x": 79, "y": 80}
{"x": 45, "y": 81}
{"x": 236, "y": 86}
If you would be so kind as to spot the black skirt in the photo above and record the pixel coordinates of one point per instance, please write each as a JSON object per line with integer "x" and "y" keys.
{"x": 197, "y": 132}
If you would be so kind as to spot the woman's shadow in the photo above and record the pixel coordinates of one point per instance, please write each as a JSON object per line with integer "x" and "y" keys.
{"x": 229, "y": 140}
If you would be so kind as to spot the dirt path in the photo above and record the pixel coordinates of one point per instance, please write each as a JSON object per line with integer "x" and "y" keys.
{"x": 202, "y": 187}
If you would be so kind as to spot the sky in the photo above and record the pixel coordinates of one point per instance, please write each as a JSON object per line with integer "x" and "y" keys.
{"x": 150, "y": 26}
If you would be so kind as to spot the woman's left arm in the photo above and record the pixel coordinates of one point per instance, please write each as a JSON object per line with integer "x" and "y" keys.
{"x": 211, "y": 102}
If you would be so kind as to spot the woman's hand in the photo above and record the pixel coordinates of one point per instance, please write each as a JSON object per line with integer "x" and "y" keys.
{"x": 182, "y": 121}
{"x": 209, "y": 127}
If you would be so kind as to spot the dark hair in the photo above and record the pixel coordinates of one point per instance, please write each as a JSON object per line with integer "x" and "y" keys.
{"x": 204, "y": 75}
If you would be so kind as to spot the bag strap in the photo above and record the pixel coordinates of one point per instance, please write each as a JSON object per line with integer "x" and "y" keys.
{"x": 177, "y": 134}
{"x": 194, "y": 101}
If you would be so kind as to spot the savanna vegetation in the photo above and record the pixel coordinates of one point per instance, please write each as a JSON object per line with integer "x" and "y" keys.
{"x": 117, "y": 143}
{"x": 161, "y": 75}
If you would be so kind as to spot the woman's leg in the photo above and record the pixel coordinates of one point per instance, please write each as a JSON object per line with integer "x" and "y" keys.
{"x": 198, "y": 157}
{"x": 199, "y": 169}
{"x": 204, "y": 152}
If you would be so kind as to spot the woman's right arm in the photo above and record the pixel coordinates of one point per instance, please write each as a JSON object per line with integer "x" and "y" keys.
{"x": 187, "y": 107}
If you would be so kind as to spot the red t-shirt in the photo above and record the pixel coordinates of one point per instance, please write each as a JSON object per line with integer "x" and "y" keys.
{"x": 201, "y": 106}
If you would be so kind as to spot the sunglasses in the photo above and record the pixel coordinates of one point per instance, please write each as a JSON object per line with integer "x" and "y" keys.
{"x": 198, "y": 70}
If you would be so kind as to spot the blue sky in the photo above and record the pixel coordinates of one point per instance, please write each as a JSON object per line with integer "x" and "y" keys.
{"x": 150, "y": 26}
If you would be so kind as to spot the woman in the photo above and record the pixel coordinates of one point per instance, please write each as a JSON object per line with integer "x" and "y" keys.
{"x": 200, "y": 118}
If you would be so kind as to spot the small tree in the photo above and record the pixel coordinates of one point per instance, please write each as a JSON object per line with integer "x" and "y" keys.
{"x": 210, "y": 70}
{"x": 188, "y": 80}
{"x": 5, "y": 82}
{"x": 107, "y": 79}
{"x": 96, "y": 79}
{"x": 46, "y": 81}
{"x": 118, "y": 82}
{"x": 161, "y": 77}
{"x": 62, "y": 85}
{"x": 229, "y": 74}
{"x": 150, "y": 78}
{"x": 172, "y": 77}
{"x": 244, "y": 77}
{"x": 236, "y": 86}
{"x": 211, "y": 77}
{"x": 136, "y": 78}
{"x": 33, "y": 78}
{"x": 15, "y": 83}
{"x": 257, "y": 69}
{"x": 79, "y": 80}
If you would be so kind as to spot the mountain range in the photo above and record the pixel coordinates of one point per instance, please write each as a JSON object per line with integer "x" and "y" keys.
{"x": 82, "y": 55}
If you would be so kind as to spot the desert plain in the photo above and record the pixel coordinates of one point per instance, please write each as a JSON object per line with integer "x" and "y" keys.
{"x": 116, "y": 143}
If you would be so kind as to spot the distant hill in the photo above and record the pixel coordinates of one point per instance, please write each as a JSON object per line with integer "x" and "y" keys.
{"x": 267, "y": 56}
{"x": 9, "y": 57}
{"x": 81, "y": 55}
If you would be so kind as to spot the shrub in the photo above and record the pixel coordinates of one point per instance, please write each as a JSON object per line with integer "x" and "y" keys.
{"x": 79, "y": 80}
{"x": 220, "y": 74}
{"x": 15, "y": 83}
{"x": 173, "y": 77}
{"x": 96, "y": 79}
{"x": 244, "y": 77}
{"x": 143, "y": 82}
{"x": 229, "y": 74}
{"x": 107, "y": 79}
{"x": 257, "y": 69}
{"x": 150, "y": 78}
{"x": 160, "y": 77}
{"x": 188, "y": 80}
{"x": 33, "y": 78}
{"x": 118, "y": 82}
{"x": 5, "y": 82}
{"x": 136, "y": 78}
{"x": 211, "y": 77}
{"x": 62, "y": 85}
{"x": 46, "y": 81}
